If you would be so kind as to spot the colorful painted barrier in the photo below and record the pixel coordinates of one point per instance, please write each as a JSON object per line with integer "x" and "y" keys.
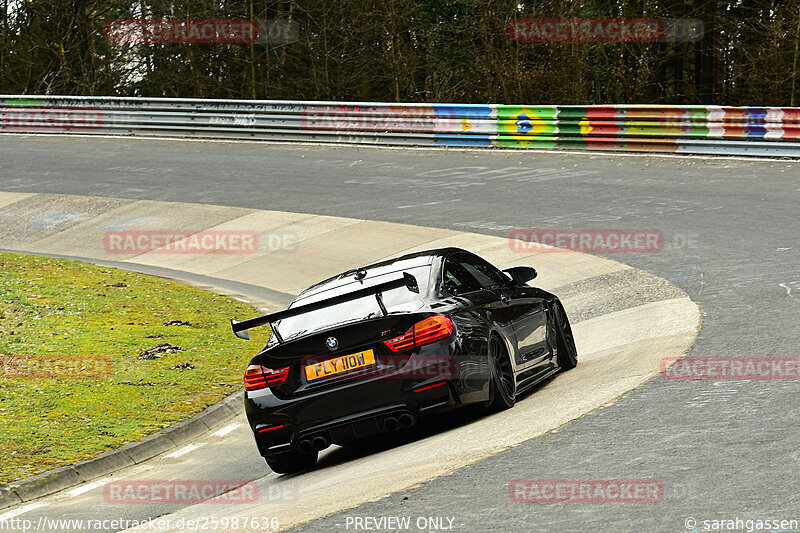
{"x": 641, "y": 128}
{"x": 651, "y": 128}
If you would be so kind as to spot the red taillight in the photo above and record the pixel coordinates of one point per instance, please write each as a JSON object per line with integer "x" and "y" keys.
{"x": 432, "y": 329}
{"x": 402, "y": 343}
{"x": 259, "y": 377}
{"x": 440, "y": 384}
{"x": 423, "y": 332}
{"x": 273, "y": 428}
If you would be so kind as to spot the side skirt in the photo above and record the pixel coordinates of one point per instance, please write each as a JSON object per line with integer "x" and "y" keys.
{"x": 526, "y": 386}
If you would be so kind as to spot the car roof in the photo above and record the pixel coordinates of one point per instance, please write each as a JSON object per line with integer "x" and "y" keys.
{"x": 404, "y": 262}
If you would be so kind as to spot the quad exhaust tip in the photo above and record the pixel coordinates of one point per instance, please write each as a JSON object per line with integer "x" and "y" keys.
{"x": 310, "y": 445}
{"x": 320, "y": 442}
{"x": 390, "y": 424}
{"x": 305, "y": 446}
{"x": 405, "y": 421}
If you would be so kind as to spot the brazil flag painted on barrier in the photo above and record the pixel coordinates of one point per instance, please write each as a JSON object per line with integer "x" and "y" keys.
{"x": 527, "y": 126}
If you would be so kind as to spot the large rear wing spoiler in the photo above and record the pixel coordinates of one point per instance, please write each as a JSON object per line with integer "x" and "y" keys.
{"x": 240, "y": 328}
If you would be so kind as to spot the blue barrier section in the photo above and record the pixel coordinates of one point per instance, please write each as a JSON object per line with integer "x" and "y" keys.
{"x": 467, "y": 125}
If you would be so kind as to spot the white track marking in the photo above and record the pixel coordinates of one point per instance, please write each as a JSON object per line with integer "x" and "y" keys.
{"x": 788, "y": 289}
{"x": 428, "y": 203}
{"x": 719, "y": 392}
{"x": 84, "y": 488}
{"x": 87, "y": 487}
{"x": 227, "y": 429}
{"x": 22, "y": 510}
{"x": 186, "y": 449}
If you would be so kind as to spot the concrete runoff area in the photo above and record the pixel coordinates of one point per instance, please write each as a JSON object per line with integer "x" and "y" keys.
{"x": 618, "y": 350}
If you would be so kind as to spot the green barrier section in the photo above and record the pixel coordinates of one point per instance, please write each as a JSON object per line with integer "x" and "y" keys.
{"x": 527, "y": 126}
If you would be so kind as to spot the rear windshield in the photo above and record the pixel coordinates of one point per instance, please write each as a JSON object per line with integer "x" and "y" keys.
{"x": 399, "y": 300}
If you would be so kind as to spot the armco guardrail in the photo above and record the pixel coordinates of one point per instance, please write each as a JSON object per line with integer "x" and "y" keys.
{"x": 761, "y": 131}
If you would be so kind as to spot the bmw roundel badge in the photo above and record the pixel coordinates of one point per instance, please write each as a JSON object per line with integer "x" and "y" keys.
{"x": 332, "y": 343}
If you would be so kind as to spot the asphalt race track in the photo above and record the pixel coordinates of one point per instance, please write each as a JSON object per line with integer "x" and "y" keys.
{"x": 722, "y": 449}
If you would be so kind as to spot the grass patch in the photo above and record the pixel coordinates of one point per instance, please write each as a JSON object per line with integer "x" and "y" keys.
{"x": 83, "y": 367}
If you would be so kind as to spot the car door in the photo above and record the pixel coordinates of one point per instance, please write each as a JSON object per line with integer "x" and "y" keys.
{"x": 471, "y": 321}
{"x": 521, "y": 306}
{"x": 530, "y": 327}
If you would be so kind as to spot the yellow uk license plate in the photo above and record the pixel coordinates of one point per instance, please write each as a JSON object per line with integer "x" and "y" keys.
{"x": 337, "y": 365}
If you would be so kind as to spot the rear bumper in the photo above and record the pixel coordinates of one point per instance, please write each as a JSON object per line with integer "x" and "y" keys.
{"x": 353, "y": 410}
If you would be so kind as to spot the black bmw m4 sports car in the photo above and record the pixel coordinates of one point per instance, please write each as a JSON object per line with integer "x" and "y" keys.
{"x": 374, "y": 349}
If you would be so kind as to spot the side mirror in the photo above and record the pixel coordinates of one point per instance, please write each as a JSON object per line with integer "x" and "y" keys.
{"x": 521, "y": 275}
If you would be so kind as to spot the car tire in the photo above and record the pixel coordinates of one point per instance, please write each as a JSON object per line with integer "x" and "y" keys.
{"x": 566, "y": 353}
{"x": 291, "y": 462}
{"x": 502, "y": 386}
